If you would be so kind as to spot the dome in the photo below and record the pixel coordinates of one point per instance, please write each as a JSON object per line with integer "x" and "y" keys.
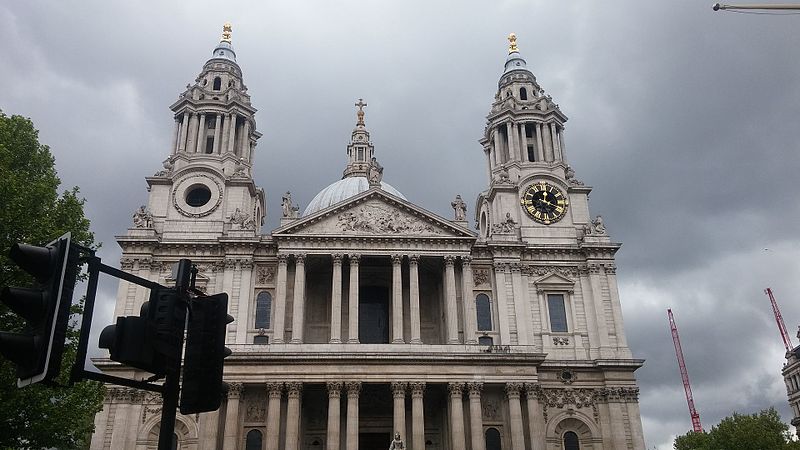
{"x": 224, "y": 50}
{"x": 342, "y": 190}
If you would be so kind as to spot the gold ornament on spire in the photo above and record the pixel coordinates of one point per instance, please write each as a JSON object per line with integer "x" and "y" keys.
{"x": 226, "y": 32}
{"x": 512, "y": 43}
{"x": 360, "y": 112}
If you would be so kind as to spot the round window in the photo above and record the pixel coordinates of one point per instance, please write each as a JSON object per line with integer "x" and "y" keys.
{"x": 198, "y": 195}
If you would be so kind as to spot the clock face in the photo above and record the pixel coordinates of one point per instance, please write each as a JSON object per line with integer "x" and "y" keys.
{"x": 544, "y": 202}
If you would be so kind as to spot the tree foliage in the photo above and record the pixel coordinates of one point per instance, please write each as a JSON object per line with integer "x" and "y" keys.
{"x": 761, "y": 431}
{"x": 32, "y": 211}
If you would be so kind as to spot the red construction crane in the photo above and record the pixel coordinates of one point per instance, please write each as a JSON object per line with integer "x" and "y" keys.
{"x": 684, "y": 374}
{"x": 779, "y": 319}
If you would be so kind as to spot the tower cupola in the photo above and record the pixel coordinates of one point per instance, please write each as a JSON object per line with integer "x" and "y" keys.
{"x": 360, "y": 149}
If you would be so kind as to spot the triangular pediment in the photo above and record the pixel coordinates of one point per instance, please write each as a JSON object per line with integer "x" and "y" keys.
{"x": 375, "y": 213}
{"x": 554, "y": 281}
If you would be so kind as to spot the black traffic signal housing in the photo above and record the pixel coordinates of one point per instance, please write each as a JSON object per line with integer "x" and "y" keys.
{"x": 37, "y": 350}
{"x": 205, "y": 351}
{"x": 152, "y": 340}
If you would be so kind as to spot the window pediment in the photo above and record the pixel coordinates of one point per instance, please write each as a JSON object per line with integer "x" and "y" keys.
{"x": 554, "y": 282}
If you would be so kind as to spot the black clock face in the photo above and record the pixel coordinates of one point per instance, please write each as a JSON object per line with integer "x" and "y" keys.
{"x": 544, "y": 202}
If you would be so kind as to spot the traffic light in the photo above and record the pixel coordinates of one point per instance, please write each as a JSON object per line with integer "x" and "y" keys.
{"x": 37, "y": 350}
{"x": 152, "y": 340}
{"x": 205, "y": 351}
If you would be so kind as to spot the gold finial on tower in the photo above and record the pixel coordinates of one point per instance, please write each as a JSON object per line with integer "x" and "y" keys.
{"x": 360, "y": 112}
{"x": 512, "y": 43}
{"x": 226, "y": 32}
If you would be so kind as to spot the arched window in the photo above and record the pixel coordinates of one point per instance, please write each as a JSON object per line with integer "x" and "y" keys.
{"x": 483, "y": 310}
{"x": 263, "y": 310}
{"x": 493, "y": 439}
{"x": 253, "y": 441}
{"x": 217, "y": 83}
{"x": 523, "y": 93}
{"x": 571, "y": 441}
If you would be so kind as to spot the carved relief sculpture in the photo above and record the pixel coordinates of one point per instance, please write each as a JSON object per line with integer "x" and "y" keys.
{"x": 142, "y": 218}
{"x": 380, "y": 220}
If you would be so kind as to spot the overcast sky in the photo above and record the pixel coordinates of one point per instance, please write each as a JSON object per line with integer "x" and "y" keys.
{"x": 684, "y": 121}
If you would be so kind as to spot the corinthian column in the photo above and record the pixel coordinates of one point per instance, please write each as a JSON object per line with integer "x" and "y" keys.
{"x": 399, "y": 396}
{"x": 353, "y": 390}
{"x": 275, "y": 391}
{"x": 476, "y": 416}
{"x": 280, "y": 301}
{"x": 413, "y": 281}
{"x": 535, "y": 416}
{"x": 336, "y": 300}
{"x": 298, "y": 315}
{"x": 334, "y": 392}
{"x": 201, "y": 135}
{"x": 457, "y": 415}
{"x": 451, "y": 308}
{"x": 217, "y": 130}
{"x": 397, "y": 299}
{"x": 352, "y": 322}
{"x": 515, "y": 416}
{"x": 231, "y": 434}
{"x": 417, "y": 416}
{"x": 293, "y": 391}
{"x": 468, "y": 301}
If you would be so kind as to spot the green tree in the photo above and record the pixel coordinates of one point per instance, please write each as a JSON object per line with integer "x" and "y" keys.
{"x": 761, "y": 431}
{"x": 32, "y": 211}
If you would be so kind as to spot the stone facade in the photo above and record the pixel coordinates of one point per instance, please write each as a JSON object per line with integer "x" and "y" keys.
{"x": 372, "y": 315}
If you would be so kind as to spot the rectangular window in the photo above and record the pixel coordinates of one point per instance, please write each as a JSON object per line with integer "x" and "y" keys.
{"x": 531, "y": 154}
{"x": 558, "y": 312}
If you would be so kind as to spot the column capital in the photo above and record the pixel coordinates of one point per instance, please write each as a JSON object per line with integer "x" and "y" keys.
{"x": 399, "y": 389}
{"x": 533, "y": 390}
{"x": 294, "y": 389}
{"x": 282, "y": 257}
{"x": 499, "y": 266}
{"x": 513, "y": 390}
{"x": 275, "y": 389}
{"x": 334, "y": 389}
{"x": 417, "y": 388}
{"x": 235, "y": 390}
{"x": 466, "y": 260}
{"x": 413, "y": 259}
{"x": 397, "y": 260}
{"x": 515, "y": 267}
{"x": 353, "y": 389}
{"x": 455, "y": 389}
{"x": 299, "y": 258}
{"x": 449, "y": 260}
{"x": 475, "y": 389}
{"x": 337, "y": 258}
{"x": 354, "y": 259}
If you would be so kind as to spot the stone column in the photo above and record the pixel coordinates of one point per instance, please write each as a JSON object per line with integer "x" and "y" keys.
{"x": 451, "y": 307}
{"x": 232, "y": 137}
{"x": 510, "y": 141}
{"x": 293, "y": 391}
{"x": 548, "y": 142}
{"x": 539, "y": 142}
{"x": 502, "y": 305}
{"x": 183, "y": 132}
{"x": 201, "y": 135}
{"x": 231, "y": 434}
{"x": 244, "y": 140}
{"x": 226, "y": 124}
{"x": 334, "y": 392}
{"x": 299, "y": 306}
{"x": 275, "y": 392}
{"x": 468, "y": 301}
{"x": 561, "y": 145}
{"x": 417, "y": 415}
{"x": 610, "y": 271}
{"x": 515, "y": 416}
{"x": 523, "y": 142}
{"x": 413, "y": 281}
{"x": 498, "y": 147}
{"x": 191, "y": 140}
{"x": 336, "y": 300}
{"x": 535, "y": 416}
{"x": 457, "y": 439}
{"x": 397, "y": 299}
{"x": 399, "y": 398}
{"x": 280, "y": 301}
{"x": 217, "y": 130}
{"x": 476, "y": 416}
{"x": 352, "y": 302}
{"x": 593, "y": 271}
{"x": 554, "y": 137}
{"x": 176, "y": 132}
{"x": 245, "y": 301}
{"x": 353, "y": 390}
{"x": 522, "y": 310}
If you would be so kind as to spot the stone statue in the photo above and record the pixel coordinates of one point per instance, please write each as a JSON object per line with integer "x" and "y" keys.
{"x": 289, "y": 211}
{"x": 242, "y": 221}
{"x": 375, "y": 172}
{"x": 142, "y": 218}
{"x": 240, "y": 170}
{"x": 598, "y": 227}
{"x": 397, "y": 443}
{"x": 569, "y": 175}
{"x": 502, "y": 176}
{"x": 506, "y": 226}
{"x": 460, "y": 208}
{"x": 167, "y": 169}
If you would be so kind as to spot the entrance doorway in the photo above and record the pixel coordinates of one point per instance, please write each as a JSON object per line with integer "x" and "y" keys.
{"x": 374, "y": 441}
{"x": 373, "y": 315}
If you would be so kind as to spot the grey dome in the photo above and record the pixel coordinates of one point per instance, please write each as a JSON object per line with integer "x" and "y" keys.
{"x": 224, "y": 50}
{"x": 342, "y": 190}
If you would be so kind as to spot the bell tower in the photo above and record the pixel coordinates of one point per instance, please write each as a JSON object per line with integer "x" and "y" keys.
{"x": 532, "y": 191}
{"x": 206, "y": 189}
